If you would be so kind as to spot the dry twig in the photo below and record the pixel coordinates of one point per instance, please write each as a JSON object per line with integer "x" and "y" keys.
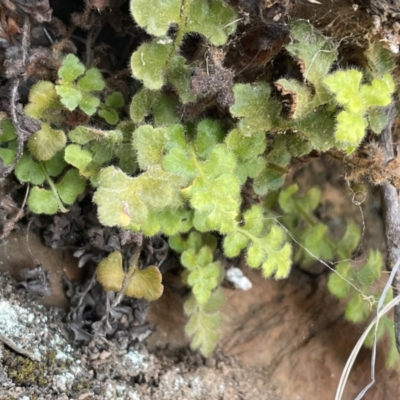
{"x": 391, "y": 217}
{"x": 9, "y": 343}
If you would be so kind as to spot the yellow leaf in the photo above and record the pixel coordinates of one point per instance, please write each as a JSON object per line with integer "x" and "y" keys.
{"x": 145, "y": 283}
{"x": 110, "y": 273}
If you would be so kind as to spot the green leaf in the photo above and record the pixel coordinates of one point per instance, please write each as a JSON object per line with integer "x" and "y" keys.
{"x": 345, "y": 85}
{"x": 44, "y": 103}
{"x": 318, "y": 242}
{"x": 204, "y": 327}
{"x": 126, "y": 160}
{"x": 370, "y": 339}
{"x": 80, "y": 159}
{"x": 314, "y": 53}
{"x": 215, "y": 302}
{"x": 56, "y": 164}
{"x": 179, "y": 162}
{"x": 214, "y": 19}
{"x": 145, "y": 284}
{"x": 70, "y": 186}
{"x": 7, "y": 130}
{"x": 141, "y": 105}
{"x": 278, "y": 263}
{"x": 377, "y": 94}
{"x": 115, "y": 100}
{"x": 380, "y": 60}
{"x": 107, "y": 110}
{"x": 311, "y": 200}
{"x": 338, "y": 283}
{"x": 267, "y": 246}
{"x": 85, "y": 134}
{"x": 155, "y": 16}
{"x": 209, "y": 134}
{"x": 234, "y": 243}
{"x": 252, "y": 103}
{"x": 295, "y": 144}
{"x": 358, "y": 309}
{"x": 149, "y": 144}
{"x": 117, "y": 199}
{"x": 70, "y": 95}
{"x": 270, "y": 178}
{"x": 372, "y": 270}
{"x": 254, "y": 220}
{"x": 126, "y": 201}
{"x": 172, "y": 221}
{"x": 7, "y": 156}
{"x": 203, "y": 275}
{"x": 350, "y": 128}
{"x": 179, "y": 75}
{"x": 249, "y": 168}
{"x": 111, "y": 116}
{"x": 101, "y": 153}
{"x": 214, "y": 194}
{"x": 177, "y": 243}
{"x": 89, "y": 104}
{"x": 165, "y": 110}
{"x": 348, "y": 243}
{"x": 148, "y": 64}
{"x": 377, "y": 120}
{"x": 246, "y": 147}
{"x": 92, "y": 81}
{"x": 286, "y": 201}
{"x": 81, "y": 135}
{"x": 28, "y": 170}
{"x": 42, "y": 201}
{"x": 46, "y": 142}
{"x": 318, "y": 127}
{"x": 71, "y": 68}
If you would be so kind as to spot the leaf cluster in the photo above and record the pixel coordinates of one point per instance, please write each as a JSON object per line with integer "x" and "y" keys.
{"x": 203, "y": 276}
{"x": 58, "y": 163}
{"x": 157, "y": 63}
{"x": 189, "y": 181}
{"x": 139, "y": 283}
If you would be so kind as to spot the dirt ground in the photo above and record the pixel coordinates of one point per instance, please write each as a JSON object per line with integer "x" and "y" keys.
{"x": 42, "y": 363}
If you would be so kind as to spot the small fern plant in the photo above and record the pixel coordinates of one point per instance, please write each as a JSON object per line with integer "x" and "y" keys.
{"x": 185, "y": 180}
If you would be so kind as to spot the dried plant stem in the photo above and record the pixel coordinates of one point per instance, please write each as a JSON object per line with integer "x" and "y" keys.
{"x": 133, "y": 267}
{"x": 21, "y": 133}
{"x": 349, "y": 365}
{"x": 391, "y": 217}
{"x": 9, "y": 343}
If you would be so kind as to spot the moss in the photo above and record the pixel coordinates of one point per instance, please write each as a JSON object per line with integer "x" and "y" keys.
{"x": 23, "y": 371}
{"x": 81, "y": 384}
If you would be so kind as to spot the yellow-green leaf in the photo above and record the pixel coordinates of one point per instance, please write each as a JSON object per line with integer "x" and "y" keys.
{"x": 145, "y": 284}
{"x": 110, "y": 273}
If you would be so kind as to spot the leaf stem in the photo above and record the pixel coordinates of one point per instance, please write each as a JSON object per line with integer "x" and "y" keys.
{"x": 52, "y": 187}
{"x": 181, "y": 32}
{"x": 305, "y": 215}
{"x": 132, "y": 269}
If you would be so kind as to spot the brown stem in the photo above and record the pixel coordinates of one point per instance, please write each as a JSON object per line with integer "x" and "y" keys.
{"x": 391, "y": 217}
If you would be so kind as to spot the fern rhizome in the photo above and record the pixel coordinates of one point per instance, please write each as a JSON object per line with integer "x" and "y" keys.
{"x": 175, "y": 167}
